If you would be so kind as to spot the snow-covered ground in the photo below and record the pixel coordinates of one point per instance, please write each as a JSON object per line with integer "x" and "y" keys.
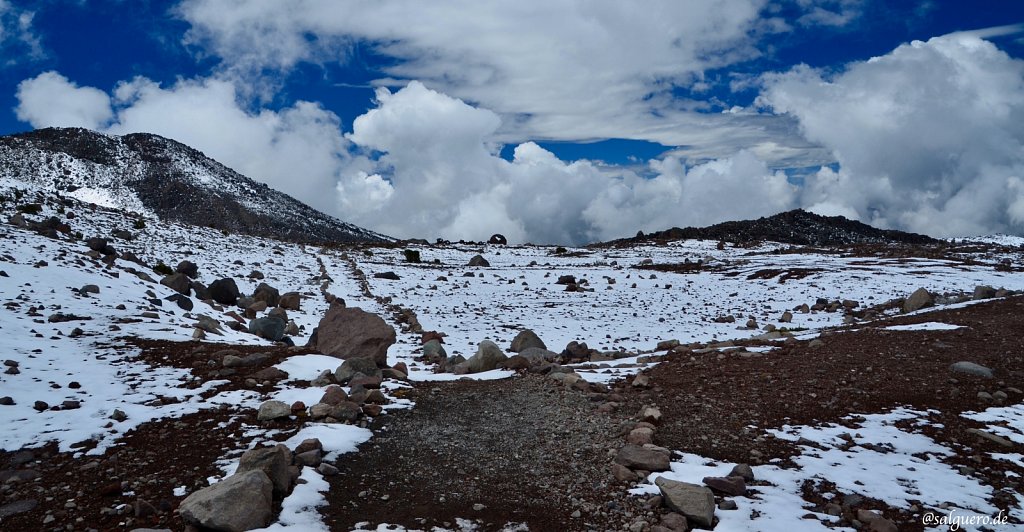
{"x": 628, "y": 310}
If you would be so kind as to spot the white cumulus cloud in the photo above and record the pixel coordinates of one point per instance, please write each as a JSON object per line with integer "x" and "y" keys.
{"x": 558, "y": 69}
{"x": 929, "y": 137}
{"x": 51, "y": 100}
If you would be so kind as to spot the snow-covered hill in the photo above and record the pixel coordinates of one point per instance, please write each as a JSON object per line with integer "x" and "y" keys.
{"x": 72, "y": 320}
{"x": 152, "y": 175}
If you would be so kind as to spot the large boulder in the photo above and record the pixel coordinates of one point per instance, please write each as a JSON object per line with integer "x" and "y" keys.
{"x": 487, "y": 357}
{"x": 637, "y": 457}
{"x": 498, "y": 239}
{"x": 224, "y": 291}
{"x": 272, "y": 461}
{"x": 478, "y": 260}
{"x": 240, "y": 502}
{"x": 697, "y": 503}
{"x": 347, "y": 333}
{"x": 271, "y": 328}
{"x": 178, "y": 282}
{"x": 268, "y": 294}
{"x": 920, "y": 299}
{"x": 526, "y": 338}
{"x": 971, "y": 368}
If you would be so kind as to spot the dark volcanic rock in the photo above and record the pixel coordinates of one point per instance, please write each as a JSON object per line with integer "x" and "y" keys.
{"x": 224, "y": 291}
{"x": 175, "y": 181}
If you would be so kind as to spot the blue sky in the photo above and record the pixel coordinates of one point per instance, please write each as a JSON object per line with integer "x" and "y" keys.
{"x": 551, "y": 121}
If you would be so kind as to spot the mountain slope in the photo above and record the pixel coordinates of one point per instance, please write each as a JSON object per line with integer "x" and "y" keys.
{"x": 797, "y": 227}
{"x": 153, "y": 175}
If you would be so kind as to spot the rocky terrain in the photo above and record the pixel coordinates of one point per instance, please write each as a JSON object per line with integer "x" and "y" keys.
{"x": 161, "y": 375}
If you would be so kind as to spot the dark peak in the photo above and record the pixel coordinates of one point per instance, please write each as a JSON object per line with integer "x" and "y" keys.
{"x": 174, "y": 181}
{"x": 797, "y": 227}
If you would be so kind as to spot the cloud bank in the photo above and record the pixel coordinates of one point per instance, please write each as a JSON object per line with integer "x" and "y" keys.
{"x": 559, "y": 69}
{"x": 928, "y": 138}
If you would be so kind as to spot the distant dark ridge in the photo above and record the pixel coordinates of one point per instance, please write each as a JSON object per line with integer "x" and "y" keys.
{"x": 175, "y": 181}
{"x": 797, "y": 227}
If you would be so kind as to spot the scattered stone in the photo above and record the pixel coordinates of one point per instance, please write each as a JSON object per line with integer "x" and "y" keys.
{"x": 224, "y": 291}
{"x": 271, "y": 410}
{"x": 178, "y": 282}
{"x": 353, "y": 366}
{"x": 787, "y": 317}
{"x": 525, "y": 340}
{"x": 240, "y": 502}
{"x": 727, "y": 504}
{"x": 695, "y": 502}
{"x": 267, "y": 294}
{"x": 623, "y": 473}
{"x": 920, "y": 299}
{"x": 187, "y": 268}
{"x": 743, "y": 471}
{"x": 876, "y": 522}
{"x": 290, "y": 301}
{"x": 999, "y": 440}
{"x": 650, "y": 414}
{"x": 273, "y": 462}
{"x": 17, "y": 507}
{"x": 637, "y": 457}
{"x": 641, "y": 381}
{"x": 640, "y": 436}
{"x": 734, "y": 486}
{"x": 487, "y": 357}
{"x": 268, "y": 327}
{"x": 478, "y": 260}
{"x": 970, "y": 368}
{"x": 7, "y": 401}
{"x": 390, "y": 276}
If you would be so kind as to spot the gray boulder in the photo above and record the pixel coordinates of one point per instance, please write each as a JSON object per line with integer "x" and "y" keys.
{"x": 487, "y": 357}
{"x": 697, "y": 503}
{"x": 478, "y": 260}
{"x": 271, "y": 328}
{"x": 224, "y": 291}
{"x": 353, "y": 366}
{"x": 525, "y": 339}
{"x": 970, "y": 368}
{"x": 434, "y": 351}
{"x": 636, "y": 457}
{"x": 354, "y": 333}
{"x": 273, "y": 462}
{"x": 271, "y": 410}
{"x": 920, "y": 299}
{"x": 238, "y": 503}
{"x": 983, "y": 292}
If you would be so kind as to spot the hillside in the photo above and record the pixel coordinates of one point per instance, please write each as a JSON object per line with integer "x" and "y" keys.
{"x": 150, "y": 174}
{"x": 797, "y": 227}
